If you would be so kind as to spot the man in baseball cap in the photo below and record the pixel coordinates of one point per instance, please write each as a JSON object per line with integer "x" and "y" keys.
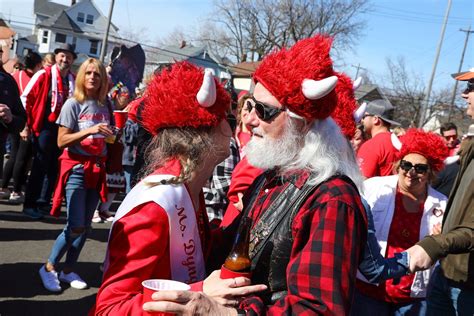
{"x": 454, "y": 246}
{"x": 377, "y": 155}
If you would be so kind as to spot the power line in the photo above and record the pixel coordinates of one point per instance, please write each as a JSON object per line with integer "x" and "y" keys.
{"x": 421, "y": 13}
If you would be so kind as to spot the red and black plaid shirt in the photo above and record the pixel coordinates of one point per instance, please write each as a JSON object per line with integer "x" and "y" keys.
{"x": 329, "y": 234}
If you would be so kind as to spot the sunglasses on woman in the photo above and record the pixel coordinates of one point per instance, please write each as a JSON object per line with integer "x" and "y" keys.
{"x": 420, "y": 168}
{"x": 264, "y": 112}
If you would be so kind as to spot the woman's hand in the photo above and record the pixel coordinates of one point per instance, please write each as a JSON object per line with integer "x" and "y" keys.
{"x": 229, "y": 292}
{"x": 101, "y": 128}
{"x": 436, "y": 229}
{"x": 186, "y": 303}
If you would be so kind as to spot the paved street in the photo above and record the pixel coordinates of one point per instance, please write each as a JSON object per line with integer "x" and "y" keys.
{"x": 24, "y": 247}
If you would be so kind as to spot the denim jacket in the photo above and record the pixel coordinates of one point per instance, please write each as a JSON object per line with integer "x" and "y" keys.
{"x": 374, "y": 267}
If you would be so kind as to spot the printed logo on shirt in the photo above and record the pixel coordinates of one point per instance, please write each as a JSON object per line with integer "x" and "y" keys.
{"x": 93, "y": 144}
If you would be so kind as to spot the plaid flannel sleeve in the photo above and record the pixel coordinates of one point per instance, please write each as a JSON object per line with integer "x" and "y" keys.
{"x": 329, "y": 235}
{"x": 216, "y": 193}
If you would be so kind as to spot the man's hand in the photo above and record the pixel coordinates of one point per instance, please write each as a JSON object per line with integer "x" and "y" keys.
{"x": 5, "y": 113}
{"x": 419, "y": 259}
{"x": 187, "y": 303}
{"x": 229, "y": 292}
{"x": 25, "y": 133}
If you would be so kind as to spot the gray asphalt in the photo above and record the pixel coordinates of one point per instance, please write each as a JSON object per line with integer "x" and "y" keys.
{"x": 24, "y": 246}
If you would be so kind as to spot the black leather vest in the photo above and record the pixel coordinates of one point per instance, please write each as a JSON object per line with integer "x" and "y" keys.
{"x": 271, "y": 239}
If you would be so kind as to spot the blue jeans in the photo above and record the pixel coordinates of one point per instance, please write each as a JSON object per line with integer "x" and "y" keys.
{"x": 364, "y": 305}
{"x": 81, "y": 204}
{"x": 127, "y": 171}
{"x": 445, "y": 299}
{"x": 44, "y": 169}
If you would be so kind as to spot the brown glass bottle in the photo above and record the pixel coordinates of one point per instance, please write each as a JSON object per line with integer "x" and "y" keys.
{"x": 238, "y": 259}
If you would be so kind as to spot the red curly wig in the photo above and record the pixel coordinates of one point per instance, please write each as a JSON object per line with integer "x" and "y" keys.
{"x": 428, "y": 144}
{"x": 282, "y": 73}
{"x": 343, "y": 114}
{"x": 170, "y": 100}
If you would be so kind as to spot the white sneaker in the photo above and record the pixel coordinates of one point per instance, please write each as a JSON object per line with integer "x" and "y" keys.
{"x": 50, "y": 280}
{"x": 96, "y": 218}
{"x": 73, "y": 279}
{"x": 16, "y": 197}
{"x": 106, "y": 216}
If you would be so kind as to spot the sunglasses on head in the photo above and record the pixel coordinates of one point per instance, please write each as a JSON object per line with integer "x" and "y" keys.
{"x": 264, "y": 112}
{"x": 420, "y": 168}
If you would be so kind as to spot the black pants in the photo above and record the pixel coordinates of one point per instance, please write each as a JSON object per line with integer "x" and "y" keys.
{"x": 20, "y": 155}
{"x": 44, "y": 170}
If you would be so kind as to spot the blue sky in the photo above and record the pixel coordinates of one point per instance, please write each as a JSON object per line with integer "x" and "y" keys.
{"x": 408, "y": 28}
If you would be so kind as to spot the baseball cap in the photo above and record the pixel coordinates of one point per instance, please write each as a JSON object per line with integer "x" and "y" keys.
{"x": 381, "y": 108}
{"x": 464, "y": 76}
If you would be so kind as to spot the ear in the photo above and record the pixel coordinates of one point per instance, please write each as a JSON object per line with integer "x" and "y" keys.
{"x": 377, "y": 120}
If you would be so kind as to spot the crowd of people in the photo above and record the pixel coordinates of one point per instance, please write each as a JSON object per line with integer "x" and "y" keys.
{"x": 350, "y": 213}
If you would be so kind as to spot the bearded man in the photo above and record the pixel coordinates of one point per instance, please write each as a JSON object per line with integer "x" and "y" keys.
{"x": 309, "y": 225}
{"x": 43, "y": 99}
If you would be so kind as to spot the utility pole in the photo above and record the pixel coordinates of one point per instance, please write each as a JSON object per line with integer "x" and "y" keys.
{"x": 453, "y": 95}
{"x": 357, "y": 71}
{"x": 424, "y": 105}
{"x": 103, "y": 49}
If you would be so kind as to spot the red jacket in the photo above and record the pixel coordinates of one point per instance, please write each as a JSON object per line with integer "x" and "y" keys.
{"x": 94, "y": 176}
{"x": 22, "y": 78}
{"x": 35, "y": 97}
{"x": 242, "y": 177}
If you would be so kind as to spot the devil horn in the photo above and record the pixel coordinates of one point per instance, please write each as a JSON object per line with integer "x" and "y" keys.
{"x": 396, "y": 142}
{"x": 206, "y": 96}
{"x": 356, "y": 83}
{"x": 316, "y": 89}
{"x": 359, "y": 113}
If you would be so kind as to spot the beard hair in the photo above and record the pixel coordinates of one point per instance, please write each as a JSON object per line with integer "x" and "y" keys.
{"x": 267, "y": 153}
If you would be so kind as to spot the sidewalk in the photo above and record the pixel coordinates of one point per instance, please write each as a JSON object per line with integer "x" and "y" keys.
{"x": 24, "y": 247}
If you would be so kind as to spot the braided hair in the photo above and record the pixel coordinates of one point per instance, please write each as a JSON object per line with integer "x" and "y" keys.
{"x": 188, "y": 145}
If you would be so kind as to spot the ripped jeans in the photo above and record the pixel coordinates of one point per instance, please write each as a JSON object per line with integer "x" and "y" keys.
{"x": 81, "y": 204}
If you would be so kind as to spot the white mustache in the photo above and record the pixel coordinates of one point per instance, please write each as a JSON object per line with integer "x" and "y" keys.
{"x": 256, "y": 131}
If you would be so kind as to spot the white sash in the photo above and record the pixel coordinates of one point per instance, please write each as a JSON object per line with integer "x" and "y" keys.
{"x": 55, "y": 94}
{"x": 186, "y": 256}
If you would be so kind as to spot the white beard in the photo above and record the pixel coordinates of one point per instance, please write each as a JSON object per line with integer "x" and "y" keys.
{"x": 267, "y": 153}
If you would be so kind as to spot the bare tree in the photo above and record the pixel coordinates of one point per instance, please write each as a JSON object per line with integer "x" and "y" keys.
{"x": 406, "y": 91}
{"x": 250, "y": 29}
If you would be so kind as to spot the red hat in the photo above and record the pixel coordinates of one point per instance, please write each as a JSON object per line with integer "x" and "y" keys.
{"x": 184, "y": 96}
{"x": 241, "y": 94}
{"x": 428, "y": 144}
{"x": 343, "y": 114}
{"x": 301, "y": 78}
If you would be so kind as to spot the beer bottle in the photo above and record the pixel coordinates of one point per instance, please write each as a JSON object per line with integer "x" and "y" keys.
{"x": 239, "y": 259}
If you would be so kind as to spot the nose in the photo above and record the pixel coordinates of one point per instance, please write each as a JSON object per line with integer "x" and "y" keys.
{"x": 253, "y": 119}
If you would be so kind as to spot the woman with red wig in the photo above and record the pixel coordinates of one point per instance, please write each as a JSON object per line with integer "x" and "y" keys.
{"x": 405, "y": 208}
{"x": 161, "y": 229}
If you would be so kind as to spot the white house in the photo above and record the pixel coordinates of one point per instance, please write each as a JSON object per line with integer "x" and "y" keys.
{"x": 81, "y": 24}
{"x": 201, "y": 56}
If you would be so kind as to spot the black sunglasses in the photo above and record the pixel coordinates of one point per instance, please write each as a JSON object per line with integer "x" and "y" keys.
{"x": 264, "y": 112}
{"x": 420, "y": 168}
{"x": 469, "y": 88}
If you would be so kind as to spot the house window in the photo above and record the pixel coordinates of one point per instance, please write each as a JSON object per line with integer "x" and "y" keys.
{"x": 90, "y": 19}
{"x": 80, "y": 17}
{"x": 74, "y": 41}
{"x": 60, "y": 38}
{"x": 44, "y": 39}
{"x": 94, "y": 47}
